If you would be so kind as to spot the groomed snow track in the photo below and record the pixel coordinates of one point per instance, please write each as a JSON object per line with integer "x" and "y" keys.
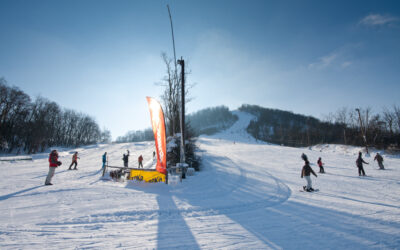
{"x": 245, "y": 196}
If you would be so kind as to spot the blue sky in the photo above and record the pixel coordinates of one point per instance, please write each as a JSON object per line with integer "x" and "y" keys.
{"x": 103, "y": 57}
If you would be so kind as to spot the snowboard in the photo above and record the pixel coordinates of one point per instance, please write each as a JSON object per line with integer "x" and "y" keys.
{"x": 315, "y": 190}
{"x": 303, "y": 190}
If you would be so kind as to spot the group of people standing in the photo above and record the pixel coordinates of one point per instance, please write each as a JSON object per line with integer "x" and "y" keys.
{"x": 307, "y": 170}
{"x": 125, "y": 159}
{"x": 54, "y": 163}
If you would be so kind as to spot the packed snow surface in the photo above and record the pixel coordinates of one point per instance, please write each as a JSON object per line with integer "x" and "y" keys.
{"x": 247, "y": 196}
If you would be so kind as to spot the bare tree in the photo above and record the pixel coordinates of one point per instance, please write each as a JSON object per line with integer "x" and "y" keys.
{"x": 342, "y": 118}
{"x": 171, "y": 95}
{"x": 34, "y": 126}
{"x": 389, "y": 118}
{"x": 396, "y": 111}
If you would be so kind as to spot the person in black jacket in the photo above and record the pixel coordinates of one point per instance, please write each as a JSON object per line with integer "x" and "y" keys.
{"x": 305, "y": 172}
{"x": 379, "y": 158}
{"x": 125, "y": 158}
{"x": 359, "y": 163}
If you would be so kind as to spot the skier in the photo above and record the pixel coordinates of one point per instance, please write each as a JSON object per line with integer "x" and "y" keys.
{"x": 53, "y": 163}
{"x": 104, "y": 160}
{"x": 379, "y": 158}
{"x": 74, "y": 161}
{"x": 320, "y": 165}
{"x": 125, "y": 158}
{"x": 154, "y": 154}
{"x": 140, "y": 160}
{"x": 306, "y": 171}
{"x": 359, "y": 163}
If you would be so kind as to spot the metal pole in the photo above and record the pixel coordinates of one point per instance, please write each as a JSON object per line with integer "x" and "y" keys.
{"x": 176, "y": 70}
{"x": 173, "y": 40}
{"x": 182, "y": 63}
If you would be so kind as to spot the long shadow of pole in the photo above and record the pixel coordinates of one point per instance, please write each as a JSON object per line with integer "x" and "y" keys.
{"x": 172, "y": 228}
{"x": 7, "y": 196}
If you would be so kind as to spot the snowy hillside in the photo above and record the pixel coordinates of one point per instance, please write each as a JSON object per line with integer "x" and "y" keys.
{"x": 246, "y": 196}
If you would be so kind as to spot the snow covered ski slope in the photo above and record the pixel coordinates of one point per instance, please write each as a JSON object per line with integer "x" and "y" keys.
{"x": 246, "y": 196}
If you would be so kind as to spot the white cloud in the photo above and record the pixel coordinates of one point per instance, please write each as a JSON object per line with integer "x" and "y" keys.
{"x": 340, "y": 58}
{"x": 377, "y": 19}
{"x": 346, "y": 64}
{"x": 324, "y": 61}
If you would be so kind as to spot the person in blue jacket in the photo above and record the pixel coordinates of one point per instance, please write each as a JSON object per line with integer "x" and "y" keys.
{"x": 104, "y": 160}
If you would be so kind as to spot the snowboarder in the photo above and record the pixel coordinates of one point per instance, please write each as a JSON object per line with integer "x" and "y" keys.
{"x": 53, "y": 163}
{"x": 359, "y": 163}
{"x": 125, "y": 158}
{"x": 74, "y": 161}
{"x": 321, "y": 166}
{"x": 306, "y": 171}
{"x": 379, "y": 158}
{"x": 140, "y": 160}
{"x": 104, "y": 160}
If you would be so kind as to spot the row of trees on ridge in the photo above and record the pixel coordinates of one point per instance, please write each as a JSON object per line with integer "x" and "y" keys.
{"x": 33, "y": 125}
{"x": 381, "y": 130}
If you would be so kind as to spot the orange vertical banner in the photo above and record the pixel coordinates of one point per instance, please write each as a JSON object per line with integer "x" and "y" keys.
{"x": 158, "y": 124}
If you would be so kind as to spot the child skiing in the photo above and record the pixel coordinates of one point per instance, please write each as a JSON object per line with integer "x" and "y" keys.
{"x": 74, "y": 161}
{"x": 306, "y": 171}
{"x": 359, "y": 163}
{"x": 320, "y": 165}
{"x": 379, "y": 158}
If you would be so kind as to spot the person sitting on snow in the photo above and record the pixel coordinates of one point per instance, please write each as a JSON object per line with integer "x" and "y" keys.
{"x": 306, "y": 171}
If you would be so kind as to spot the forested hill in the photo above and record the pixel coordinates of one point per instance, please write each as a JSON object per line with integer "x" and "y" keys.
{"x": 287, "y": 128}
{"x": 211, "y": 120}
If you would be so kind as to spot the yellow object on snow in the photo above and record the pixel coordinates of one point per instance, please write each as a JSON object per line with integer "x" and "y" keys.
{"x": 146, "y": 175}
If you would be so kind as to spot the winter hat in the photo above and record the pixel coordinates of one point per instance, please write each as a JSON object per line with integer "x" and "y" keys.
{"x": 304, "y": 157}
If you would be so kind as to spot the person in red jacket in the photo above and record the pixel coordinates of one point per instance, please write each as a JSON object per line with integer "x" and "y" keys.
{"x": 140, "y": 160}
{"x": 74, "y": 161}
{"x": 53, "y": 163}
{"x": 320, "y": 165}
